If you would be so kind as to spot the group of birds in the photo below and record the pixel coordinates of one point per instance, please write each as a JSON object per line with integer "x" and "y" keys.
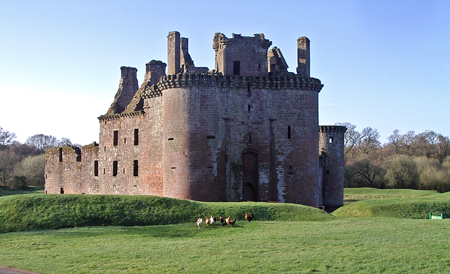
{"x": 211, "y": 220}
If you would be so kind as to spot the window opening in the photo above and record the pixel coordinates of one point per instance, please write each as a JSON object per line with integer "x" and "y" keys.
{"x": 236, "y": 68}
{"x": 60, "y": 154}
{"x": 330, "y": 140}
{"x": 135, "y": 168}
{"x": 114, "y": 168}
{"x": 250, "y": 107}
{"x": 61, "y": 190}
{"x": 136, "y": 136}
{"x": 124, "y": 140}
{"x": 116, "y": 138}
{"x": 249, "y": 90}
{"x": 170, "y": 139}
{"x": 95, "y": 168}
{"x": 289, "y": 132}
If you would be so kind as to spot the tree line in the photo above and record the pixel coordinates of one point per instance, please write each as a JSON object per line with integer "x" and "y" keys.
{"x": 410, "y": 160}
{"x": 23, "y": 165}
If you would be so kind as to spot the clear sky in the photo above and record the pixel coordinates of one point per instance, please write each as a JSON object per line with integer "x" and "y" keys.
{"x": 384, "y": 64}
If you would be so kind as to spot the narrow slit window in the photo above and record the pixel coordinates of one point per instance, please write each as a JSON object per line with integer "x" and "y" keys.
{"x": 289, "y": 132}
{"x": 136, "y": 136}
{"x": 250, "y": 138}
{"x": 330, "y": 140}
{"x": 95, "y": 168}
{"x": 170, "y": 139}
{"x": 115, "y": 165}
{"x": 249, "y": 107}
{"x": 116, "y": 138}
{"x": 135, "y": 168}
{"x": 60, "y": 154}
{"x": 236, "y": 68}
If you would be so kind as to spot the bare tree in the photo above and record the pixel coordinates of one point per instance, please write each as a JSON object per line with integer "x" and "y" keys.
{"x": 396, "y": 140}
{"x": 6, "y": 137}
{"x": 42, "y": 142}
{"x": 352, "y": 138}
{"x": 369, "y": 140}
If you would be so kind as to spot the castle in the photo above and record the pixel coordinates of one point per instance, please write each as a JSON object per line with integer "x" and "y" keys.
{"x": 246, "y": 131}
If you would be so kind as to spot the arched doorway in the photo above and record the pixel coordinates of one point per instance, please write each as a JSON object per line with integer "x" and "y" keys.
{"x": 250, "y": 175}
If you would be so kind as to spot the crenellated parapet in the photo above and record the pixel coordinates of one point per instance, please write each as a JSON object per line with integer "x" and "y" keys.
{"x": 275, "y": 82}
{"x": 332, "y": 129}
{"x": 108, "y": 117}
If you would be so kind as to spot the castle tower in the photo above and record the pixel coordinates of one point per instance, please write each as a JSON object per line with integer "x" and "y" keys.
{"x": 241, "y": 55}
{"x": 127, "y": 89}
{"x": 173, "y": 53}
{"x": 303, "y": 58}
{"x": 331, "y": 145}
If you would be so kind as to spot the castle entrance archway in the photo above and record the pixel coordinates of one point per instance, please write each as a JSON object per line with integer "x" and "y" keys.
{"x": 250, "y": 175}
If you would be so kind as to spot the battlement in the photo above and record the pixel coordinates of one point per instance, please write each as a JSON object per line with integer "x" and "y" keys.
{"x": 274, "y": 82}
{"x": 332, "y": 129}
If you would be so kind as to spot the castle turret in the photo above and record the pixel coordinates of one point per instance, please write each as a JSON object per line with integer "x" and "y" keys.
{"x": 127, "y": 89}
{"x": 154, "y": 70}
{"x": 303, "y": 57}
{"x": 331, "y": 146}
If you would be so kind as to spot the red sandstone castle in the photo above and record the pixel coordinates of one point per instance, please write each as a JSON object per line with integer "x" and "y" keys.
{"x": 247, "y": 130}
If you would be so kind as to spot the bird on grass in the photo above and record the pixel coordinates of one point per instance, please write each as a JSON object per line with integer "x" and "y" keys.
{"x": 249, "y": 217}
{"x": 222, "y": 221}
{"x": 229, "y": 221}
{"x": 199, "y": 222}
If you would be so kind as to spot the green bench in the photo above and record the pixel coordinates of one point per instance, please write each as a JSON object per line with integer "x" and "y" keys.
{"x": 431, "y": 216}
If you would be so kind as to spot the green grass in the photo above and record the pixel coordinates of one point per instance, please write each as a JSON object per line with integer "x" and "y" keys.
{"x": 413, "y": 206}
{"x": 36, "y": 212}
{"x": 284, "y": 238}
{"x": 364, "y": 193}
{"x": 355, "y": 245}
{"x": 30, "y": 190}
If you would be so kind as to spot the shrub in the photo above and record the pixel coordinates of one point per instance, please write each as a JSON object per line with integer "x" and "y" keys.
{"x": 18, "y": 182}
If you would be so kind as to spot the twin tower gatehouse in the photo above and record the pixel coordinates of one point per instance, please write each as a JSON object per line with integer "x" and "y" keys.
{"x": 248, "y": 130}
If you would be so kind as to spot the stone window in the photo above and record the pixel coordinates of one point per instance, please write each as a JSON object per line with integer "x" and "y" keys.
{"x": 289, "y": 132}
{"x": 136, "y": 136}
{"x": 61, "y": 190}
{"x": 95, "y": 168}
{"x": 236, "y": 68}
{"x": 135, "y": 168}
{"x": 124, "y": 140}
{"x": 115, "y": 165}
{"x": 330, "y": 140}
{"x": 116, "y": 138}
{"x": 60, "y": 154}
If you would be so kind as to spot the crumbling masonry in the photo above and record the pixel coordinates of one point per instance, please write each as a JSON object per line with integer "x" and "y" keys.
{"x": 246, "y": 131}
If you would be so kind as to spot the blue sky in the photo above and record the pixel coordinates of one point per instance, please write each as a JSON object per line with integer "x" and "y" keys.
{"x": 384, "y": 64}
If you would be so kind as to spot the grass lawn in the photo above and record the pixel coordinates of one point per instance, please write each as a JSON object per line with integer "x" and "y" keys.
{"x": 284, "y": 238}
{"x": 353, "y": 245}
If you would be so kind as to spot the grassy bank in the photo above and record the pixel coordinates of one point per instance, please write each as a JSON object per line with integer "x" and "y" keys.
{"x": 399, "y": 206}
{"x": 37, "y": 212}
{"x": 354, "y": 245}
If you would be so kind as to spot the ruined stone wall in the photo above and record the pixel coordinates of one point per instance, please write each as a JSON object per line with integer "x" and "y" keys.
{"x": 70, "y": 170}
{"x": 331, "y": 143}
{"x": 118, "y": 154}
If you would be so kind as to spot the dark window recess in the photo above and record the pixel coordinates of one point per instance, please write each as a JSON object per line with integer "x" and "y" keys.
{"x": 236, "y": 68}
{"x": 136, "y": 136}
{"x": 104, "y": 171}
{"x": 95, "y": 168}
{"x": 116, "y": 138}
{"x": 135, "y": 168}
{"x": 249, "y": 90}
{"x": 210, "y": 137}
{"x": 170, "y": 139}
{"x": 123, "y": 171}
{"x": 259, "y": 66}
{"x": 61, "y": 190}
{"x": 328, "y": 172}
{"x": 250, "y": 138}
{"x": 124, "y": 140}
{"x": 173, "y": 167}
{"x": 114, "y": 168}
{"x": 250, "y": 107}
{"x": 60, "y": 154}
{"x": 289, "y": 132}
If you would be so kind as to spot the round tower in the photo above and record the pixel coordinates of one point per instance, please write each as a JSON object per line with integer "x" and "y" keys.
{"x": 331, "y": 146}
